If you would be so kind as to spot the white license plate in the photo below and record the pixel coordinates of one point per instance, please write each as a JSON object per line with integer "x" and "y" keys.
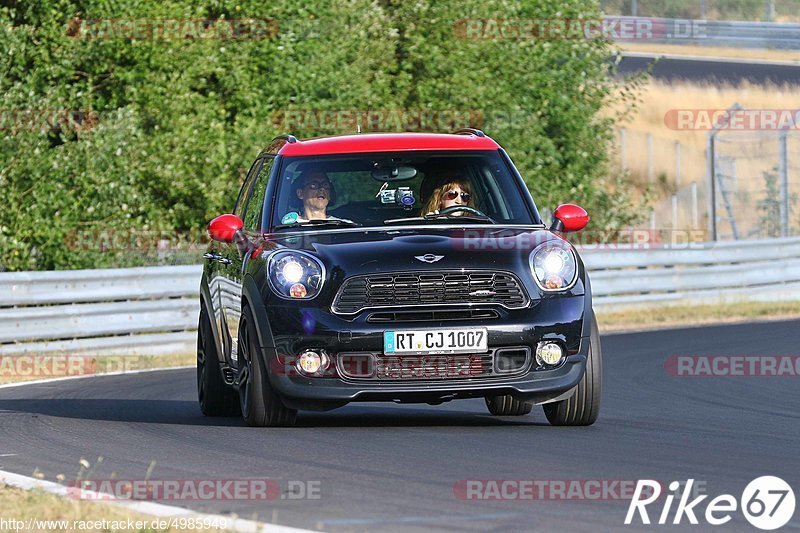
{"x": 437, "y": 341}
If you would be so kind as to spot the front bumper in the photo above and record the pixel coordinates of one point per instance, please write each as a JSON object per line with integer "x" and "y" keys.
{"x": 295, "y": 329}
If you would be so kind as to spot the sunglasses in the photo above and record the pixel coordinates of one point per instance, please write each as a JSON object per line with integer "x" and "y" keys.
{"x": 316, "y": 185}
{"x": 452, "y": 195}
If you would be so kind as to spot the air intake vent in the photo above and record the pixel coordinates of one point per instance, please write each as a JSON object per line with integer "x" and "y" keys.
{"x": 429, "y": 288}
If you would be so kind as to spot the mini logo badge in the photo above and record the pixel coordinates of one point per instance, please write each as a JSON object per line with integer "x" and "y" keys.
{"x": 429, "y": 258}
{"x": 483, "y": 292}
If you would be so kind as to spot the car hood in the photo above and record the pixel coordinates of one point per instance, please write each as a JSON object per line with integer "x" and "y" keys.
{"x": 349, "y": 252}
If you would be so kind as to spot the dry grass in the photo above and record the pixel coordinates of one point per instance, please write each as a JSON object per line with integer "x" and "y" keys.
{"x": 664, "y": 317}
{"x": 23, "y": 505}
{"x": 755, "y": 152}
{"x": 84, "y": 365}
{"x": 712, "y": 51}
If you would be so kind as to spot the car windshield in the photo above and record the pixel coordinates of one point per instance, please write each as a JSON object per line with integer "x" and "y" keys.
{"x": 398, "y": 188}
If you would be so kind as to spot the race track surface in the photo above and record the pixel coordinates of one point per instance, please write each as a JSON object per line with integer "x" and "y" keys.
{"x": 386, "y": 467}
{"x": 712, "y": 70}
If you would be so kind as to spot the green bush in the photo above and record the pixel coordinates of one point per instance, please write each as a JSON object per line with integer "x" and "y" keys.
{"x": 163, "y": 130}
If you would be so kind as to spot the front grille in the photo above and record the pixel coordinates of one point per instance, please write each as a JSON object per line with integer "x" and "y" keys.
{"x": 429, "y": 288}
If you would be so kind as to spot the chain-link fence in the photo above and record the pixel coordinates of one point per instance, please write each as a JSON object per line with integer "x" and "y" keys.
{"x": 755, "y": 190}
{"x": 757, "y": 184}
{"x": 747, "y": 10}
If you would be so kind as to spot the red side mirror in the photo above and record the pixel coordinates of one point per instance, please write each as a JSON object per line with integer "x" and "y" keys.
{"x": 224, "y": 227}
{"x": 569, "y": 217}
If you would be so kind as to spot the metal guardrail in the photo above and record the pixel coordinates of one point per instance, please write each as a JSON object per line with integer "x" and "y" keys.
{"x": 736, "y": 34}
{"x": 153, "y": 310}
{"x": 144, "y": 310}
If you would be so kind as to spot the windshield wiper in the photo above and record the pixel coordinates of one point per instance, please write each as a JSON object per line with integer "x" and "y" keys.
{"x": 317, "y": 223}
{"x": 437, "y": 217}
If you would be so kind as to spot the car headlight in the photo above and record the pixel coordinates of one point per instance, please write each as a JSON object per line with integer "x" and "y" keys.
{"x": 295, "y": 275}
{"x": 554, "y": 266}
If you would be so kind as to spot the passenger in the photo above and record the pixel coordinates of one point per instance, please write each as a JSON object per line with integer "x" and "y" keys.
{"x": 455, "y": 191}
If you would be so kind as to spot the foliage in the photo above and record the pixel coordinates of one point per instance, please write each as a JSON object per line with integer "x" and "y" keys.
{"x": 154, "y": 135}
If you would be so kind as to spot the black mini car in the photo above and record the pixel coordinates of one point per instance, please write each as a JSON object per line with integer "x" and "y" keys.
{"x": 394, "y": 267}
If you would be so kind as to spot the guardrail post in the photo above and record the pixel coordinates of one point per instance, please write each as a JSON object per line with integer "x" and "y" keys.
{"x": 695, "y": 217}
{"x": 634, "y": 8}
{"x": 674, "y": 211}
{"x": 677, "y": 165}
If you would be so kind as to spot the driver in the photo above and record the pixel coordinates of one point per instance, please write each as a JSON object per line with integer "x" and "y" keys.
{"x": 455, "y": 191}
{"x": 316, "y": 192}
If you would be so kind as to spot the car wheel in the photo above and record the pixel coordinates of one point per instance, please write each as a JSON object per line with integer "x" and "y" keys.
{"x": 260, "y": 405}
{"x": 214, "y": 396}
{"x": 583, "y": 407}
{"x": 507, "y": 405}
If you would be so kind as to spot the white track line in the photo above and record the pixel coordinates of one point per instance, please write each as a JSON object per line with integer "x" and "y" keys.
{"x": 86, "y": 376}
{"x": 149, "y": 508}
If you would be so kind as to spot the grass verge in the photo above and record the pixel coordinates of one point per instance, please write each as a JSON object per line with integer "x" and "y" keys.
{"x": 712, "y": 51}
{"x": 668, "y": 317}
{"x": 35, "y": 510}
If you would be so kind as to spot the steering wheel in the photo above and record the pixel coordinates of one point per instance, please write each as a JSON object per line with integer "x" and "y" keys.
{"x": 454, "y": 208}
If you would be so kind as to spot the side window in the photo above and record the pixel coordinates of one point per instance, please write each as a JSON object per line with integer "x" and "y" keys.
{"x": 252, "y": 213}
{"x": 241, "y": 201}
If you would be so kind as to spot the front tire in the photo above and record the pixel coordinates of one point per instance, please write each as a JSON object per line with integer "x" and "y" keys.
{"x": 260, "y": 405}
{"x": 507, "y": 405}
{"x": 214, "y": 396}
{"x": 583, "y": 407}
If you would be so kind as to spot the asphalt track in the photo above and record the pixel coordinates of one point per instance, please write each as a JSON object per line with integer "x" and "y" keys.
{"x": 386, "y": 467}
{"x": 734, "y": 71}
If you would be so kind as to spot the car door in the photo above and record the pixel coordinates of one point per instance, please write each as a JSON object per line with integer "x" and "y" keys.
{"x": 225, "y": 277}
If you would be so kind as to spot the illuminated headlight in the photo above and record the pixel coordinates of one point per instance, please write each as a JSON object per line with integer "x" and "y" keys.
{"x": 295, "y": 275}
{"x": 553, "y": 266}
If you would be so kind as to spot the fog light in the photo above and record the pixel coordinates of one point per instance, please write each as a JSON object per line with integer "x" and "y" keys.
{"x": 549, "y": 353}
{"x": 311, "y": 362}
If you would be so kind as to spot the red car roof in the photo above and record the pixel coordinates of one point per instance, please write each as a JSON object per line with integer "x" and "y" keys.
{"x": 387, "y": 142}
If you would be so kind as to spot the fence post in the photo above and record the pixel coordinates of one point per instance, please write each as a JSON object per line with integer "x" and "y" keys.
{"x": 695, "y": 217}
{"x": 649, "y": 157}
{"x": 769, "y": 14}
{"x": 702, "y": 9}
{"x": 674, "y": 212}
{"x": 783, "y": 172}
{"x": 677, "y": 165}
{"x": 712, "y": 189}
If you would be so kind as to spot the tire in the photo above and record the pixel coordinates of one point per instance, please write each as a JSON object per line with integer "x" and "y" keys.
{"x": 260, "y": 405}
{"x": 583, "y": 407}
{"x": 507, "y": 405}
{"x": 213, "y": 395}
